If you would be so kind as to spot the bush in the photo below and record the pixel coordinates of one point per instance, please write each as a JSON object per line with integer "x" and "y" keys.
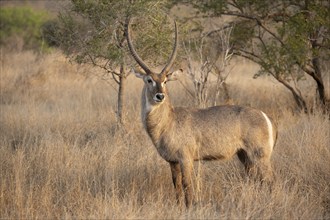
{"x": 22, "y": 23}
{"x": 50, "y": 33}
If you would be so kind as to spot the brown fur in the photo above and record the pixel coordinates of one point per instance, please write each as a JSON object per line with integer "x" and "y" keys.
{"x": 183, "y": 135}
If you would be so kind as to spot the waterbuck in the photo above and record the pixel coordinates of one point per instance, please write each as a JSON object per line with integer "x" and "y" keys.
{"x": 184, "y": 135}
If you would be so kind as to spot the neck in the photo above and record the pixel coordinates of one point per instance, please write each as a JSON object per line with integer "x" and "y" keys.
{"x": 156, "y": 118}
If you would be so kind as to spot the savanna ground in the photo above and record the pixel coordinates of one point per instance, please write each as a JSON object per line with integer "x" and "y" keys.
{"x": 63, "y": 156}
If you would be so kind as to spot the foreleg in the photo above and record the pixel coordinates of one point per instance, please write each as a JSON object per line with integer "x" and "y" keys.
{"x": 177, "y": 180}
{"x": 186, "y": 169}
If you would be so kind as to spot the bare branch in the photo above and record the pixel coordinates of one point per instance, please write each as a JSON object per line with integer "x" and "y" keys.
{"x": 114, "y": 75}
{"x": 257, "y": 20}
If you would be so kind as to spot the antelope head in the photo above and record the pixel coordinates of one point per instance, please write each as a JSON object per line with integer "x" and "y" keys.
{"x": 154, "y": 82}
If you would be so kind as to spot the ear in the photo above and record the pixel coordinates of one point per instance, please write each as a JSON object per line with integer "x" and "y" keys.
{"x": 174, "y": 75}
{"x": 138, "y": 74}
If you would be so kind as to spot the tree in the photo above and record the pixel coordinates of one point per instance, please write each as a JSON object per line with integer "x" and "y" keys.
{"x": 289, "y": 39}
{"x": 92, "y": 32}
{"x": 208, "y": 68}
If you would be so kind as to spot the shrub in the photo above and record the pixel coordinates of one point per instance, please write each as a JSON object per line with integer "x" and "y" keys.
{"x": 22, "y": 23}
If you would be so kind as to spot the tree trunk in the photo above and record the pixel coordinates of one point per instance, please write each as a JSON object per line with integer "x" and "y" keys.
{"x": 121, "y": 94}
{"x": 317, "y": 76}
{"x": 299, "y": 100}
{"x": 316, "y": 72}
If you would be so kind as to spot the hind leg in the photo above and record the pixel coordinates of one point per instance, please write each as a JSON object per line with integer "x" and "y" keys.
{"x": 246, "y": 161}
{"x": 261, "y": 159}
{"x": 257, "y": 164}
{"x": 264, "y": 170}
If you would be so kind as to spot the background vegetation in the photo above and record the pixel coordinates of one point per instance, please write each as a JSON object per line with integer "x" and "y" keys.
{"x": 63, "y": 154}
{"x": 21, "y": 28}
{"x": 289, "y": 40}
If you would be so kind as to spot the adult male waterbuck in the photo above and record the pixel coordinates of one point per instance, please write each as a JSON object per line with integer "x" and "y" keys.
{"x": 183, "y": 135}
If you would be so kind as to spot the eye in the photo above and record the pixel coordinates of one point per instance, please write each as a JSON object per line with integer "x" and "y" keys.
{"x": 149, "y": 81}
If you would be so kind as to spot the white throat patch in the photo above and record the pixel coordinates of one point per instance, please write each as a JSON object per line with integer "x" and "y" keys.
{"x": 148, "y": 106}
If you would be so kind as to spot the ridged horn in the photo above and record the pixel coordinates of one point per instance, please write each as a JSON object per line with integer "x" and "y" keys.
{"x": 170, "y": 61}
{"x": 132, "y": 49}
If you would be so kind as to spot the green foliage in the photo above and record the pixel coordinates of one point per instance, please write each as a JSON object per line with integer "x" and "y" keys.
{"x": 23, "y": 22}
{"x": 243, "y": 34}
{"x": 300, "y": 38}
{"x": 93, "y": 31}
{"x": 154, "y": 38}
{"x": 49, "y": 30}
{"x": 213, "y": 6}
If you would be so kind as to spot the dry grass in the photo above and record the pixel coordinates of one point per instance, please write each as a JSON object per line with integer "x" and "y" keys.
{"x": 62, "y": 155}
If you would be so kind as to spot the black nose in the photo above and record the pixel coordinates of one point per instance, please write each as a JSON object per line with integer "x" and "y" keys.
{"x": 159, "y": 96}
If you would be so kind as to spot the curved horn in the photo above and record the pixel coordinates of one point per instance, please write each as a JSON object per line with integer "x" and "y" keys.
{"x": 133, "y": 51}
{"x": 170, "y": 62}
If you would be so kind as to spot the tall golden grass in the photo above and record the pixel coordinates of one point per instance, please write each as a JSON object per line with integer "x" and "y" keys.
{"x": 63, "y": 156}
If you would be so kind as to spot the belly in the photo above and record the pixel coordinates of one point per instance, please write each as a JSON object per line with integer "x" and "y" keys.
{"x": 217, "y": 148}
